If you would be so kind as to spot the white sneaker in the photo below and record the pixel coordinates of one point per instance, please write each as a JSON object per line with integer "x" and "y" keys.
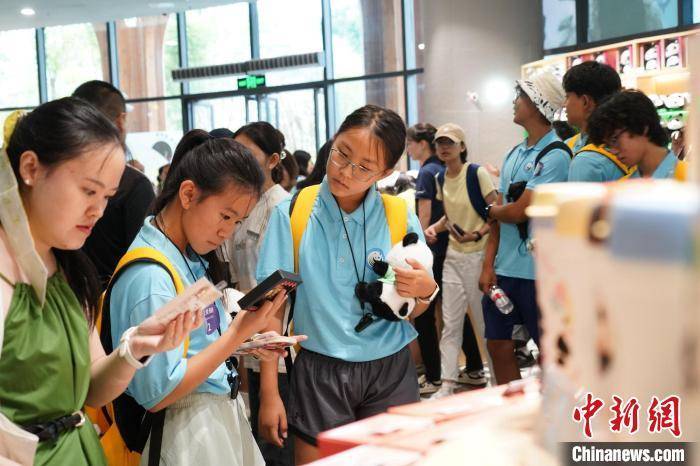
{"x": 426, "y": 388}
{"x": 475, "y": 378}
{"x": 447, "y": 389}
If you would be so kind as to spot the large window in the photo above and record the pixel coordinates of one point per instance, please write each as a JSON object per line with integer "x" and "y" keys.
{"x": 216, "y": 36}
{"x": 18, "y": 69}
{"x": 138, "y": 54}
{"x": 75, "y": 54}
{"x": 289, "y": 28}
{"x": 559, "y": 23}
{"x": 153, "y": 131}
{"x": 367, "y": 36}
{"x": 226, "y": 112}
{"x": 293, "y": 114}
{"x": 609, "y": 19}
{"x": 696, "y": 11}
{"x": 386, "y": 92}
{"x": 148, "y": 52}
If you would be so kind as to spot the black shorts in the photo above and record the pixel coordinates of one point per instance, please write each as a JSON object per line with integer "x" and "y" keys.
{"x": 523, "y": 294}
{"x": 326, "y": 392}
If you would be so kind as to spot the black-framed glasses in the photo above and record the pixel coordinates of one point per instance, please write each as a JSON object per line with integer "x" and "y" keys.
{"x": 615, "y": 138}
{"x": 341, "y": 161}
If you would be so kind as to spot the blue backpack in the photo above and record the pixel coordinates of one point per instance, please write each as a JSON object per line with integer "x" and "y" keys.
{"x": 473, "y": 189}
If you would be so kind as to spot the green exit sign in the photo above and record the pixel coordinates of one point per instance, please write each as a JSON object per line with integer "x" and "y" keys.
{"x": 251, "y": 82}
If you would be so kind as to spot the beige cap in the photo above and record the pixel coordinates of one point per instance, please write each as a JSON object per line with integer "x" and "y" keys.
{"x": 450, "y": 131}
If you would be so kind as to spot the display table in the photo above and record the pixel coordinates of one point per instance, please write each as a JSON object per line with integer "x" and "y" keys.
{"x": 489, "y": 426}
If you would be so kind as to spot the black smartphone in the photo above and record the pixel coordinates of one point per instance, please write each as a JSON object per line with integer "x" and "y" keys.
{"x": 268, "y": 289}
{"x": 458, "y": 229}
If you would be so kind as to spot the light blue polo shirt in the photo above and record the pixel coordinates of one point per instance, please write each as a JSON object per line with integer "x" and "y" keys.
{"x": 513, "y": 259}
{"x": 326, "y": 309}
{"x": 591, "y": 166}
{"x": 665, "y": 170}
{"x": 138, "y": 293}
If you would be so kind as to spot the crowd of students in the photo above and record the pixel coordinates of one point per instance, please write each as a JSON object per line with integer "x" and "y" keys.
{"x": 237, "y": 206}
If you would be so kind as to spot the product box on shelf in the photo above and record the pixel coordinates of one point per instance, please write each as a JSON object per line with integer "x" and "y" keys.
{"x": 560, "y": 217}
{"x": 625, "y": 63}
{"x": 650, "y": 56}
{"x": 644, "y": 315}
{"x": 371, "y": 431}
{"x": 674, "y": 52}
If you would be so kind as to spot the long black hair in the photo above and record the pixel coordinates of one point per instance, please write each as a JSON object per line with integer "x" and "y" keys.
{"x": 386, "y": 126}
{"x": 319, "y": 170}
{"x": 59, "y": 131}
{"x": 213, "y": 165}
{"x": 269, "y": 139}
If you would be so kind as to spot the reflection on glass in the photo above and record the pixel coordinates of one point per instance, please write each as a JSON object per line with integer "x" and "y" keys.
{"x": 293, "y": 114}
{"x": 148, "y": 52}
{"x": 153, "y": 131}
{"x": 559, "y": 23}
{"x": 75, "y": 54}
{"x": 216, "y": 36}
{"x": 351, "y": 95}
{"x": 227, "y": 112}
{"x": 18, "y": 69}
{"x": 608, "y": 19}
{"x": 366, "y": 36}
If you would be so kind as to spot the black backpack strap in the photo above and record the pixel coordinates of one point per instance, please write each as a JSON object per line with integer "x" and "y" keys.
{"x": 550, "y": 147}
{"x": 476, "y": 197}
{"x": 288, "y": 363}
{"x": 158, "y": 422}
{"x": 125, "y": 407}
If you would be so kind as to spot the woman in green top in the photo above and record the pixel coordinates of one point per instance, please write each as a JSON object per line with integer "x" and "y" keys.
{"x": 68, "y": 160}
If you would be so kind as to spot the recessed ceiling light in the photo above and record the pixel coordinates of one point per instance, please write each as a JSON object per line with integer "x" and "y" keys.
{"x": 161, "y": 5}
{"x": 28, "y": 11}
{"x": 421, "y": 46}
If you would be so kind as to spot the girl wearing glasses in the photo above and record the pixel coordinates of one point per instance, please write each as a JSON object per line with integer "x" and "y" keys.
{"x": 345, "y": 371}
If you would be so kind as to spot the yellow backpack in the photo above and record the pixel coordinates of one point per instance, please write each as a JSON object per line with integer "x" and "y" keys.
{"x": 626, "y": 171}
{"x": 395, "y": 209}
{"x": 124, "y": 425}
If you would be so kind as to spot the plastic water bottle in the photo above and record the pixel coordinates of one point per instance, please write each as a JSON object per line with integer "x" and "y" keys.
{"x": 500, "y": 299}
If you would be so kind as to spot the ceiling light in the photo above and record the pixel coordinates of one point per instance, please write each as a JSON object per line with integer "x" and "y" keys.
{"x": 162, "y": 5}
{"x": 421, "y": 46}
{"x": 28, "y": 11}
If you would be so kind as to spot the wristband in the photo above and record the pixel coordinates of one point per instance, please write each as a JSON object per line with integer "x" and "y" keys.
{"x": 125, "y": 350}
{"x": 430, "y": 298}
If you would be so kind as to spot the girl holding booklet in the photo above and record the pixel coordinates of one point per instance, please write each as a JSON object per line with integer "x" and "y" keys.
{"x": 64, "y": 160}
{"x": 210, "y": 189}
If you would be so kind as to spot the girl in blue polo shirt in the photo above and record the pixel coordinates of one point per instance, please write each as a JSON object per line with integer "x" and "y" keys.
{"x": 208, "y": 192}
{"x": 629, "y": 125}
{"x": 343, "y": 372}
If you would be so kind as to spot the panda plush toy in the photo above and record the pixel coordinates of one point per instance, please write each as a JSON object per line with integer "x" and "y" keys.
{"x": 382, "y": 294}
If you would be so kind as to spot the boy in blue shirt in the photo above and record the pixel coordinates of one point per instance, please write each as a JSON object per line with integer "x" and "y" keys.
{"x": 586, "y": 86}
{"x": 508, "y": 261}
{"x": 629, "y": 125}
